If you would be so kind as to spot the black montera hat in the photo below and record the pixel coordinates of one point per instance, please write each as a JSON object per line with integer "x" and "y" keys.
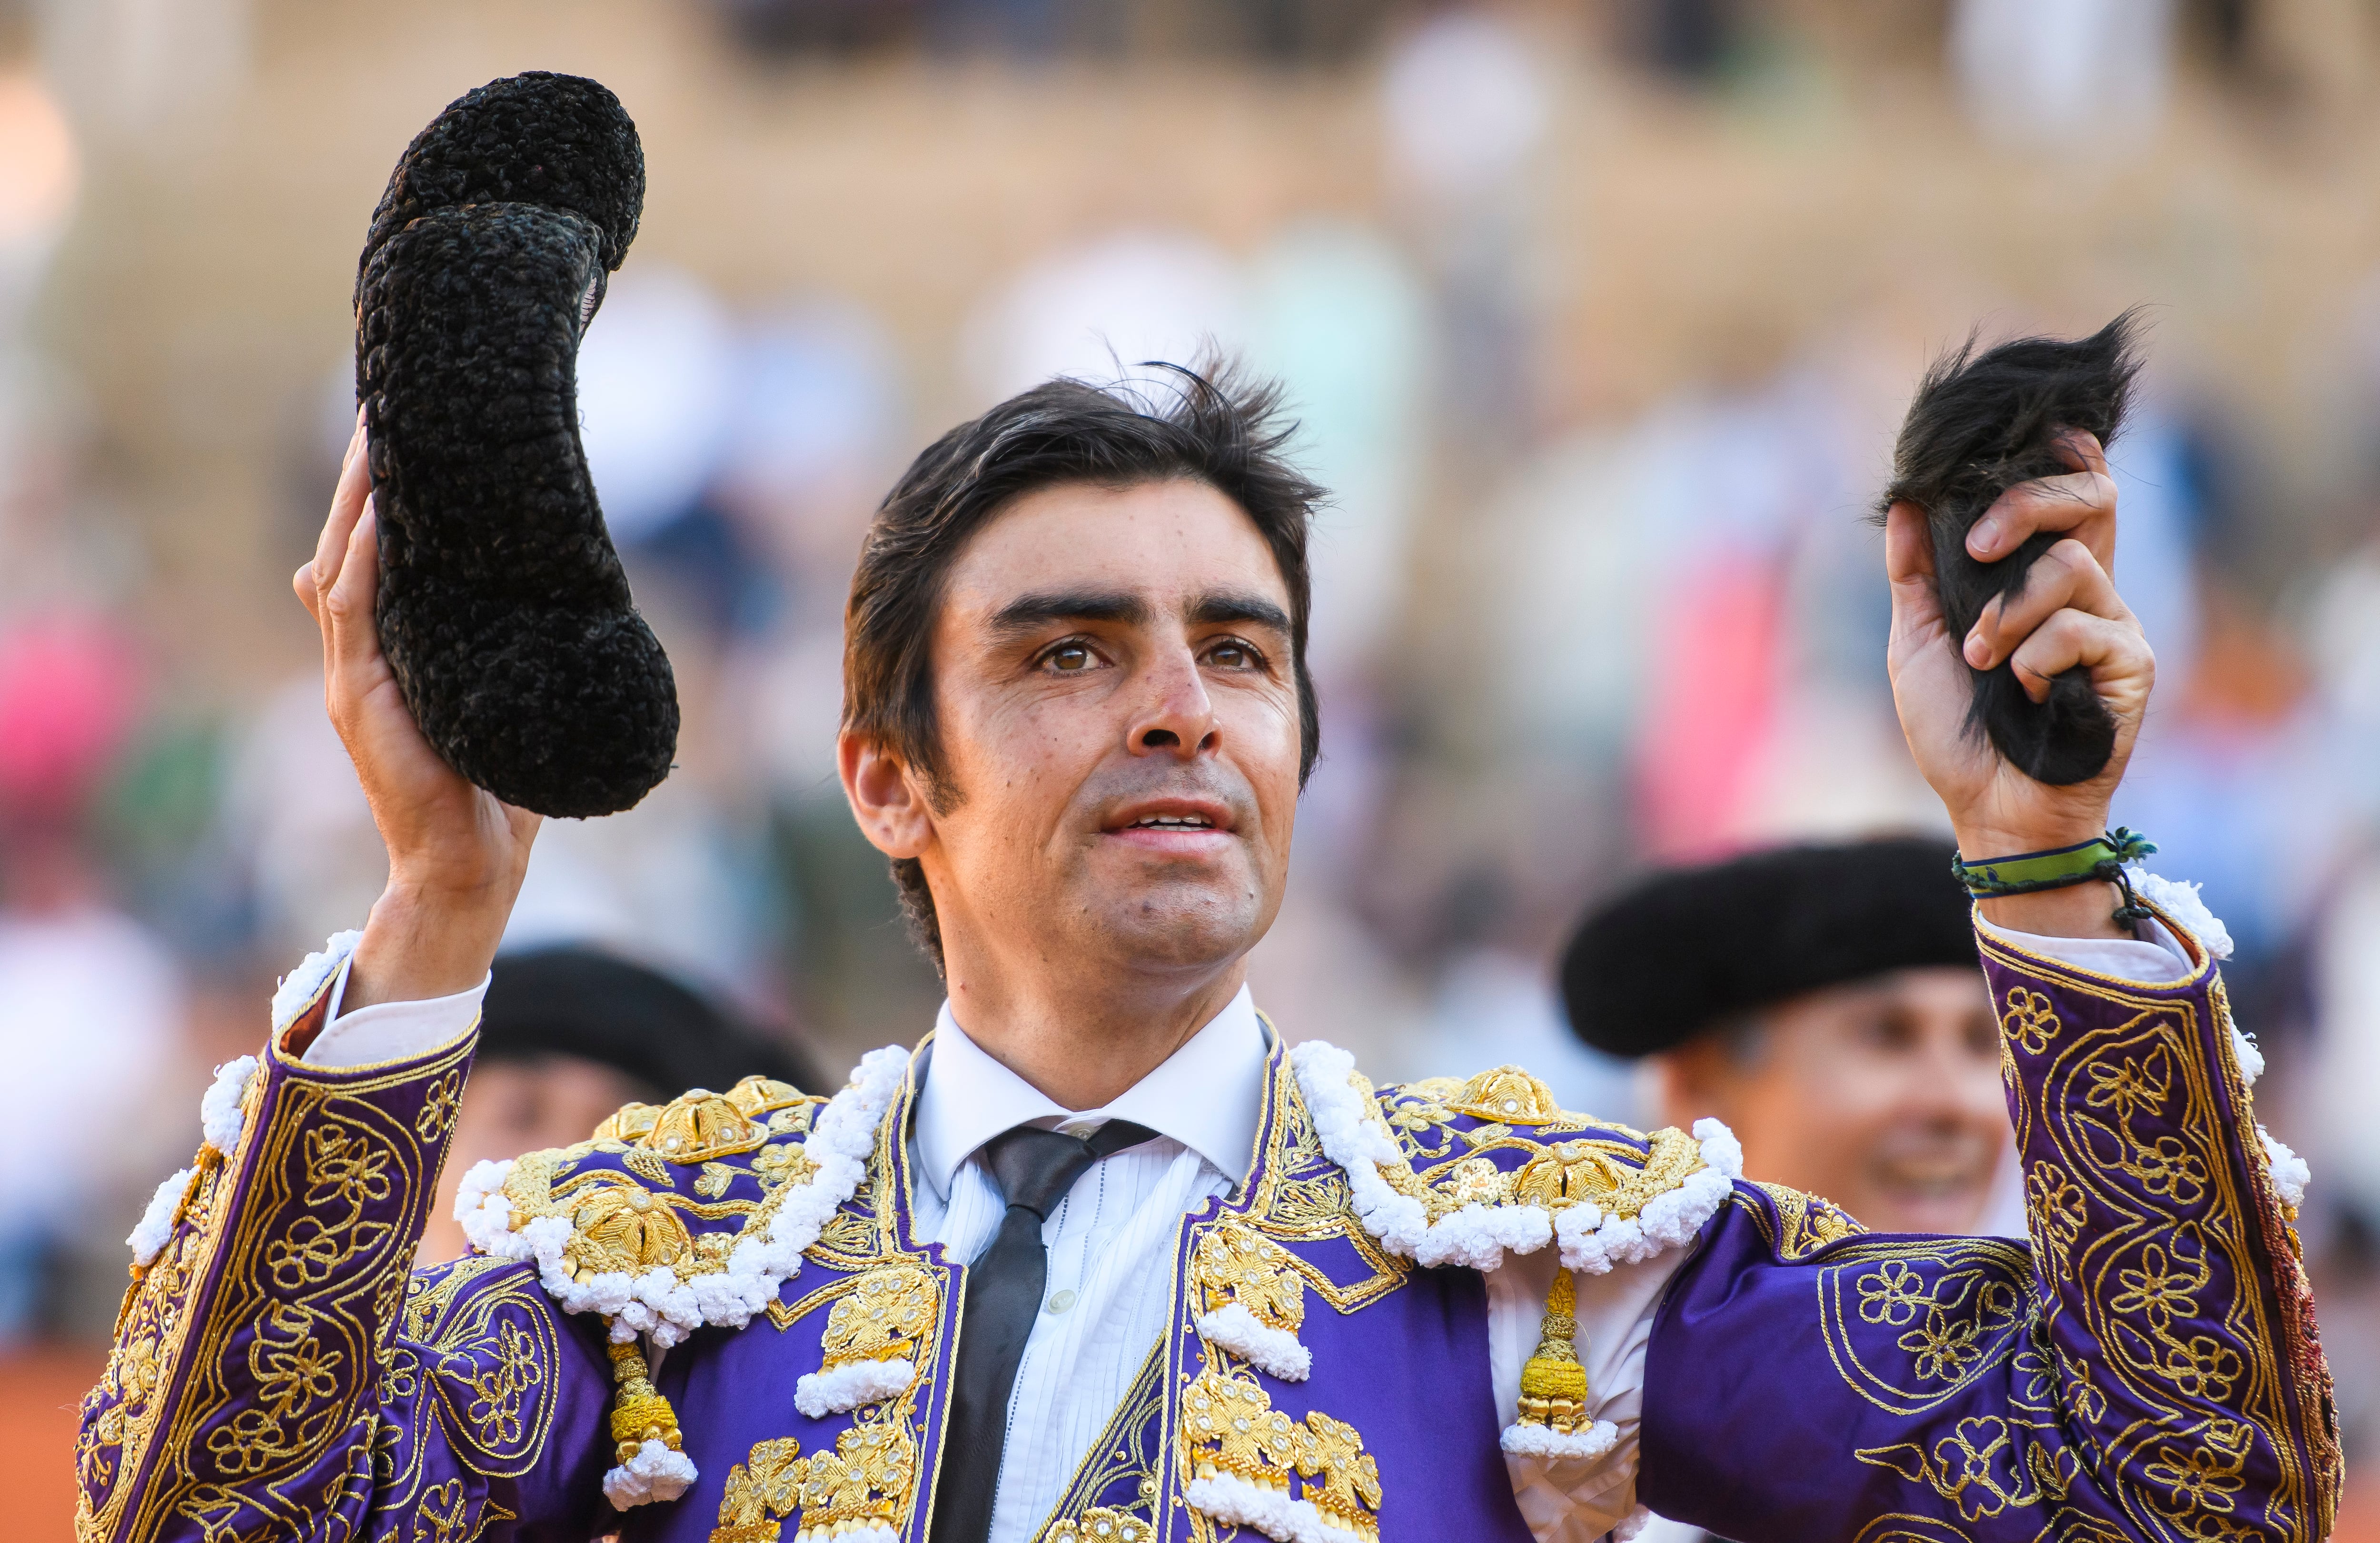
{"x": 1681, "y": 951}
{"x": 583, "y": 1002}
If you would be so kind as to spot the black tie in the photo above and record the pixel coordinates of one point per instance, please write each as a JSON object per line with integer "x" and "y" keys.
{"x": 1034, "y": 1169}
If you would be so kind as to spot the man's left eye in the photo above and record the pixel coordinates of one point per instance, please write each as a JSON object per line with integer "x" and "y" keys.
{"x": 1232, "y": 656}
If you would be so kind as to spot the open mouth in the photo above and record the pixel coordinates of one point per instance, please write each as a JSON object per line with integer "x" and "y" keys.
{"x": 1170, "y": 823}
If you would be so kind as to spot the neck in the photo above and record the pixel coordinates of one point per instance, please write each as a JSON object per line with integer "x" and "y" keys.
{"x": 1083, "y": 1043}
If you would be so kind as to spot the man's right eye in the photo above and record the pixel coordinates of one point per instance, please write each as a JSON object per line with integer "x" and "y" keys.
{"x": 1069, "y": 658}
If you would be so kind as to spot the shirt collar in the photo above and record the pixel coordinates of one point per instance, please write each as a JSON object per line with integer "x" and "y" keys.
{"x": 1208, "y": 1095}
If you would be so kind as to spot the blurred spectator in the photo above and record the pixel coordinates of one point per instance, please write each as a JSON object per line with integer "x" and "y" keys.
{"x": 2079, "y": 77}
{"x": 568, "y": 1034}
{"x": 89, "y": 1001}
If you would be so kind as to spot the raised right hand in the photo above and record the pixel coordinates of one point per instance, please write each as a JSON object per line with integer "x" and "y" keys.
{"x": 456, "y": 854}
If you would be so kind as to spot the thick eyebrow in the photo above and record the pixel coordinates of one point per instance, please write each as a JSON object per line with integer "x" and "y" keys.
{"x": 1222, "y": 607}
{"x": 1030, "y": 613}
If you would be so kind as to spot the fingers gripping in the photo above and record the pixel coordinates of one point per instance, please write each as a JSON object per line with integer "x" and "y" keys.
{"x": 2068, "y": 574}
{"x": 2103, "y": 645}
{"x": 2081, "y": 504}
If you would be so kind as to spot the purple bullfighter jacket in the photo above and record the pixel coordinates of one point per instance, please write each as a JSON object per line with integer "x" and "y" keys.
{"x": 712, "y": 1322}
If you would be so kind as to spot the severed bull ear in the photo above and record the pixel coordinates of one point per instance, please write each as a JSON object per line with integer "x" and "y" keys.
{"x": 503, "y": 610}
{"x": 1982, "y": 423}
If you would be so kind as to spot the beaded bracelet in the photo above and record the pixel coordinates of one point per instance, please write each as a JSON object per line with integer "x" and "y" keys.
{"x": 2101, "y": 857}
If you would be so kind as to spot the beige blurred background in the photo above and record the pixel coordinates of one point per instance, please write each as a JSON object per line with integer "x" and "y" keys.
{"x": 1599, "y": 314}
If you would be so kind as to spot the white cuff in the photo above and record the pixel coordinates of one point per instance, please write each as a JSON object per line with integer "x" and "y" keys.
{"x": 2155, "y": 960}
{"x": 392, "y": 1030}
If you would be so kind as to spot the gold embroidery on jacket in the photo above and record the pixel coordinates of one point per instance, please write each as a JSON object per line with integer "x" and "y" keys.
{"x": 1233, "y": 1263}
{"x": 2123, "y": 1119}
{"x": 294, "y": 1278}
{"x": 761, "y": 1490}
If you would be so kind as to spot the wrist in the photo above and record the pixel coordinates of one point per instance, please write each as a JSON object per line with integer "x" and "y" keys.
{"x": 426, "y": 943}
{"x": 2086, "y": 907}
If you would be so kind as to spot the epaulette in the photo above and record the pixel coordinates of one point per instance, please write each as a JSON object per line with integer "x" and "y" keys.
{"x": 1449, "y": 1172}
{"x": 670, "y": 1218}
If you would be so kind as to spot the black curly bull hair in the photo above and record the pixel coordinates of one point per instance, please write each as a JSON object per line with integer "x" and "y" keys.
{"x": 503, "y": 609}
{"x": 1983, "y": 421}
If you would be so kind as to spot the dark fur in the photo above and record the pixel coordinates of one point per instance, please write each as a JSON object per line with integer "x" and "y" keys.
{"x": 503, "y": 609}
{"x": 1981, "y": 423}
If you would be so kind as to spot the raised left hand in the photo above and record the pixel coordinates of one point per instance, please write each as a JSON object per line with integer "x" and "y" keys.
{"x": 2069, "y": 614}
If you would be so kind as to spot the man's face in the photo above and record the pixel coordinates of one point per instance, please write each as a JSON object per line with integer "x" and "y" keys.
{"x": 1883, "y": 1095}
{"x": 1119, "y": 730}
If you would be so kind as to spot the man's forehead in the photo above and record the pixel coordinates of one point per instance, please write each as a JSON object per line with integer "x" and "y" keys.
{"x": 1170, "y": 543}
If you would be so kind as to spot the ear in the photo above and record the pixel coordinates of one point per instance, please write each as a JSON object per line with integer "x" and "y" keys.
{"x": 885, "y": 797}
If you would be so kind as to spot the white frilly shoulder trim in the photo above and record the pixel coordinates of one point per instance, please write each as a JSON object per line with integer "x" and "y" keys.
{"x": 655, "y": 1473}
{"x": 1237, "y": 1503}
{"x": 840, "y": 1390}
{"x": 2290, "y": 1174}
{"x": 660, "y": 1304}
{"x": 150, "y": 1233}
{"x": 219, "y": 1111}
{"x": 2180, "y": 901}
{"x": 1538, "y": 1441}
{"x": 302, "y": 985}
{"x": 1273, "y": 1351}
{"x": 1478, "y": 1237}
{"x": 219, "y": 1117}
{"x": 1632, "y": 1525}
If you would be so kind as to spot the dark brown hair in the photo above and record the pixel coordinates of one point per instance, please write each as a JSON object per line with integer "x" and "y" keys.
{"x": 1210, "y": 424}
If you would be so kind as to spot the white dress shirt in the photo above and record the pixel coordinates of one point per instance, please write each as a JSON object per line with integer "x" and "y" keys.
{"x": 1110, "y": 1240}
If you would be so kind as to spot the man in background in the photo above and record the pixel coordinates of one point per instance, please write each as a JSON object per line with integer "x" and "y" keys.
{"x": 1826, "y": 1003}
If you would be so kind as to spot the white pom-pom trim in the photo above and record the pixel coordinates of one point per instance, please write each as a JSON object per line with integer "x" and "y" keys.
{"x": 301, "y": 986}
{"x": 660, "y": 1304}
{"x": 1236, "y": 1501}
{"x": 1538, "y": 1441}
{"x": 842, "y": 1388}
{"x": 655, "y": 1473}
{"x": 1480, "y": 1236}
{"x": 1634, "y": 1522}
{"x": 2250, "y": 1058}
{"x": 2182, "y": 902}
{"x": 219, "y": 1111}
{"x": 2290, "y": 1174}
{"x": 1273, "y": 1351}
{"x": 150, "y": 1234}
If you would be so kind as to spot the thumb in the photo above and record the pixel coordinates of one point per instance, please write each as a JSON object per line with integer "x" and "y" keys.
{"x": 353, "y": 598}
{"x": 1909, "y": 564}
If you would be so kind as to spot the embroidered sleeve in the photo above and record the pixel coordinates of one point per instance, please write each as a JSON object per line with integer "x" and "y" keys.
{"x": 278, "y": 1369}
{"x": 2148, "y": 1368}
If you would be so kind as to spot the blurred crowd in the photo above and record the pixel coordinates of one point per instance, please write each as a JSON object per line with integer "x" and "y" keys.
{"x": 1565, "y": 628}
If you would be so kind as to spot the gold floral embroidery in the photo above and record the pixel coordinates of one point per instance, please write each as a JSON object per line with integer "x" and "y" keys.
{"x": 761, "y": 1490}
{"x": 438, "y": 1108}
{"x": 1233, "y": 1263}
{"x": 885, "y": 1316}
{"x": 2030, "y": 1020}
{"x": 1100, "y": 1525}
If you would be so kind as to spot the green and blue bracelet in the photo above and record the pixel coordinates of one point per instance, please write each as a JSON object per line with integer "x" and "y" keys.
{"x": 2101, "y": 857}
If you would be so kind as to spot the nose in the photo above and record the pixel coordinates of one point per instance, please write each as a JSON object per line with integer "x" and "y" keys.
{"x": 1177, "y": 717}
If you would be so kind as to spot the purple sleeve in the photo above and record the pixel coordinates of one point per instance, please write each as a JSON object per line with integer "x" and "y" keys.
{"x": 2148, "y": 1368}
{"x": 280, "y": 1371}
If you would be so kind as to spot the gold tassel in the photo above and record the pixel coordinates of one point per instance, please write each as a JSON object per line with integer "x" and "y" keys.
{"x": 638, "y": 1413}
{"x": 1553, "y": 1385}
